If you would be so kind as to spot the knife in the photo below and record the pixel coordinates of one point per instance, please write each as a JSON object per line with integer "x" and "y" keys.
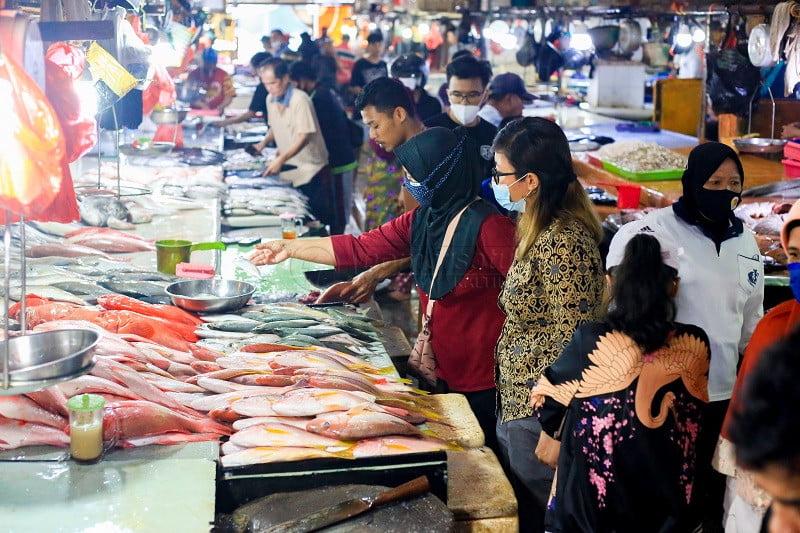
{"x": 350, "y": 508}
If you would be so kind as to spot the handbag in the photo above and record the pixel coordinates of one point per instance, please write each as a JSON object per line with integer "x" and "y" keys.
{"x": 422, "y": 359}
{"x": 548, "y": 448}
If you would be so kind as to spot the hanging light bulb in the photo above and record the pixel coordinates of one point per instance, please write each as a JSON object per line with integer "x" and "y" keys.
{"x": 407, "y": 33}
{"x": 684, "y": 37}
{"x": 424, "y": 28}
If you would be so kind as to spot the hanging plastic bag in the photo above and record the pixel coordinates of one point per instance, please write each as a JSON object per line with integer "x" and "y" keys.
{"x": 112, "y": 81}
{"x": 31, "y": 172}
{"x": 161, "y": 90}
{"x": 732, "y": 80}
{"x": 64, "y": 64}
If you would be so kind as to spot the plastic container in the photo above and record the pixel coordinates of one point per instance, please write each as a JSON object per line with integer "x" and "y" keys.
{"x": 792, "y": 168}
{"x": 628, "y": 194}
{"x": 791, "y": 150}
{"x": 646, "y": 175}
{"x": 86, "y": 427}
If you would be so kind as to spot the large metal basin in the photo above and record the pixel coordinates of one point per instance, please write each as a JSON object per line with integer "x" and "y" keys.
{"x": 210, "y": 295}
{"x": 50, "y": 355}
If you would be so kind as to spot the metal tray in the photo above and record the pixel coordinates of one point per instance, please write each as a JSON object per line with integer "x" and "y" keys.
{"x": 759, "y": 145}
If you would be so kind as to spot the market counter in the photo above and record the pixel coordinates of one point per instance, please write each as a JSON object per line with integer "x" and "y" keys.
{"x": 154, "y": 488}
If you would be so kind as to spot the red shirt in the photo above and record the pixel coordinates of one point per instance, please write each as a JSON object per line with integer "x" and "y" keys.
{"x": 775, "y": 325}
{"x": 217, "y": 86}
{"x": 467, "y": 321}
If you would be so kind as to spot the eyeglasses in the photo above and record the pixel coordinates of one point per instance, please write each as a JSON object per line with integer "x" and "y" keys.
{"x": 456, "y": 96}
{"x": 497, "y": 175}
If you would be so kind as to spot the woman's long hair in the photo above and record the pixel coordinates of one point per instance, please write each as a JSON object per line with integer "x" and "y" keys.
{"x": 641, "y": 304}
{"x": 539, "y": 146}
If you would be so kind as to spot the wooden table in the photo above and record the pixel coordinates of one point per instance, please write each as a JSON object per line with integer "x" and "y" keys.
{"x": 758, "y": 170}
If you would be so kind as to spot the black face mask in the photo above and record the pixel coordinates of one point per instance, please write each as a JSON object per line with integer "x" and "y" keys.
{"x": 716, "y": 206}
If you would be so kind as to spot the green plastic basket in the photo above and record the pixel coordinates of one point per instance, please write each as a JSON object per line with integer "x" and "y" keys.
{"x": 645, "y": 175}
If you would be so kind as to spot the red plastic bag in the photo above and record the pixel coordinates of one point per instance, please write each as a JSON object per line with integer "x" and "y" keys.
{"x": 31, "y": 172}
{"x": 64, "y": 64}
{"x": 160, "y": 92}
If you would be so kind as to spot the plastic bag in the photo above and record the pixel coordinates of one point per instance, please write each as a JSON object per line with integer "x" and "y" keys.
{"x": 732, "y": 81}
{"x": 31, "y": 172}
{"x": 161, "y": 91}
{"x": 64, "y": 64}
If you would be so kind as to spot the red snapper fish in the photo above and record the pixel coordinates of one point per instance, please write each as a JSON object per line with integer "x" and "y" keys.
{"x": 275, "y": 434}
{"x": 299, "y": 422}
{"x": 267, "y": 454}
{"x": 311, "y": 402}
{"x": 398, "y": 445}
{"x": 359, "y": 424}
{"x": 25, "y": 409}
{"x": 119, "y": 242}
{"x": 142, "y": 418}
{"x": 16, "y": 433}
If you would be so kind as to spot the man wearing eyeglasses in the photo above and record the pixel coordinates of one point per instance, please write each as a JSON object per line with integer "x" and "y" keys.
{"x": 468, "y": 80}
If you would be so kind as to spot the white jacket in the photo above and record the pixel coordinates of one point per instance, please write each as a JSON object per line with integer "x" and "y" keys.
{"x": 721, "y": 293}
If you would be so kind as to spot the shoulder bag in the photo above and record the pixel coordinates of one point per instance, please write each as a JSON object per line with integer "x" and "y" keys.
{"x": 422, "y": 359}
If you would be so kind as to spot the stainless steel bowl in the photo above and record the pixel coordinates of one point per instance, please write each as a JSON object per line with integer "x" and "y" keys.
{"x": 210, "y": 295}
{"x": 759, "y": 145}
{"x": 169, "y": 115}
{"x": 50, "y": 354}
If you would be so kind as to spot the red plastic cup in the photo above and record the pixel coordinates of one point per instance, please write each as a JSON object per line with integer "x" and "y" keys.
{"x": 628, "y": 196}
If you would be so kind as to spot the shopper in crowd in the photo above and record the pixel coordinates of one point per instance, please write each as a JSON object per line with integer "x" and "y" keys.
{"x": 325, "y": 63}
{"x": 467, "y": 79}
{"x": 410, "y": 69}
{"x": 279, "y": 42}
{"x": 334, "y": 125}
{"x": 763, "y": 429}
{"x": 440, "y": 167}
{"x": 598, "y": 398}
{"x": 555, "y": 284}
{"x": 371, "y": 66}
{"x": 387, "y": 110}
{"x": 746, "y": 503}
{"x": 507, "y": 98}
{"x": 442, "y": 92}
{"x": 294, "y": 128}
{"x": 344, "y": 44}
{"x": 218, "y": 86}
{"x": 722, "y": 278}
{"x": 258, "y": 103}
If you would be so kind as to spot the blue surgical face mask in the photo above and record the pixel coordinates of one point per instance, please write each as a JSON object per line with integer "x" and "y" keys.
{"x": 421, "y": 193}
{"x": 794, "y": 279}
{"x": 503, "y": 196}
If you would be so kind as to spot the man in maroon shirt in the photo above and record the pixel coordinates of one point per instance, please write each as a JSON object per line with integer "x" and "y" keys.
{"x": 387, "y": 109}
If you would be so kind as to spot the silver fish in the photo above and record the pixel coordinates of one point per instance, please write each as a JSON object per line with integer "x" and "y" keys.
{"x": 204, "y": 332}
{"x": 239, "y": 326}
{"x": 45, "y": 291}
{"x": 97, "y": 210}
{"x": 135, "y": 288}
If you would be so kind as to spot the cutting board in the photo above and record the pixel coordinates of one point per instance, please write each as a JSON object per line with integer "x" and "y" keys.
{"x": 458, "y": 422}
{"x": 425, "y": 513}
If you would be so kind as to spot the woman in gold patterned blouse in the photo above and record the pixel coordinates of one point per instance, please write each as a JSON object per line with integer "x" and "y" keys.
{"x": 555, "y": 284}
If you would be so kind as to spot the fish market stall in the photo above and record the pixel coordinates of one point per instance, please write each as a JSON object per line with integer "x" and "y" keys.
{"x": 263, "y": 375}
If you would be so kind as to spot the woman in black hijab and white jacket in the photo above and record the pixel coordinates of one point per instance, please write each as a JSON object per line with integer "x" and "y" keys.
{"x": 442, "y": 174}
{"x": 722, "y": 290}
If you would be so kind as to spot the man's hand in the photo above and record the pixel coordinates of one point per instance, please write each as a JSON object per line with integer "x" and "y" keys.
{"x": 362, "y": 287}
{"x": 269, "y": 253}
{"x": 791, "y": 131}
{"x": 274, "y": 167}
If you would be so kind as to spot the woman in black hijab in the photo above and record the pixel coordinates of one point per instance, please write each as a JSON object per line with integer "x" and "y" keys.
{"x": 441, "y": 174}
{"x": 721, "y": 291}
